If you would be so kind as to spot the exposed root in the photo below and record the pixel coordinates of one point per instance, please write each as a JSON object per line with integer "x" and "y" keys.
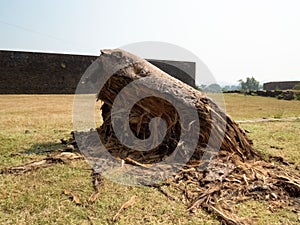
{"x": 62, "y": 157}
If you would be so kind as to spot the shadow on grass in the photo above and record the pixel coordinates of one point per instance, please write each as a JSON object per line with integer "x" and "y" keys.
{"x": 44, "y": 148}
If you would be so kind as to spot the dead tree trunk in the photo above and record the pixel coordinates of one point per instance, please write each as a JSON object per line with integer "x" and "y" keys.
{"x": 216, "y": 131}
{"x": 196, "y": 133}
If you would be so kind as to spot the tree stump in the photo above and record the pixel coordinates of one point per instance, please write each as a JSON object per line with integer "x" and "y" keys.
{"x": 156, "y": 122}
{"x": 216, "y": 131}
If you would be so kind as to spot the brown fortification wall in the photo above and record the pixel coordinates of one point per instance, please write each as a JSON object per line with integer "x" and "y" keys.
{"x": 280, "y": 85}
{"x": 49, "y": 73}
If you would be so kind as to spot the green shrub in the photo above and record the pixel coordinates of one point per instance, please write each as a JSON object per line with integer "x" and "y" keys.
{"x": 297, "y": 86}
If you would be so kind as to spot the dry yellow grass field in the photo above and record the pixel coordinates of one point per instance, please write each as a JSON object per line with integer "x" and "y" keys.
{"x": 31, "y": 126}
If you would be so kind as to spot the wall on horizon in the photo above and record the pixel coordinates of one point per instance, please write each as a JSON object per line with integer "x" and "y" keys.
{"x": 280, "y": 85}
{"x": 48, "y": 73}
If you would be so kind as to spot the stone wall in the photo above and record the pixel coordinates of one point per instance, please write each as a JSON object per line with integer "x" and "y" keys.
{"x": 48, "y": 73}
{"x": 282, "y": 85}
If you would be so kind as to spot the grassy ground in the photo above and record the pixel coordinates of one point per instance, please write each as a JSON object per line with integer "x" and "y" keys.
{"x": 253, "y": 107}
{"x": 34, "y": 124}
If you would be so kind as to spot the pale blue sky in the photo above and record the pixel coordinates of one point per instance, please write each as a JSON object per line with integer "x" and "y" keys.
{"x": 234, "y": 38}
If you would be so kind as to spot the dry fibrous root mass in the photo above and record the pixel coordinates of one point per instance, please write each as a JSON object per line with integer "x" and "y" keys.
{"x": 215, "y": 178}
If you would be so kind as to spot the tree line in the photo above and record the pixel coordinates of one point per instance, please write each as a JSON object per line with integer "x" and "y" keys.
{"x": 250, "y": 84}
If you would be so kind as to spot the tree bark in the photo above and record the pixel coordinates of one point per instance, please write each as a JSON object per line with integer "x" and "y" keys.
{"x": 217, "y": 132}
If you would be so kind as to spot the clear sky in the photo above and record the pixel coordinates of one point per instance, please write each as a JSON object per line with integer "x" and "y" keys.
{"x": 234, "y": 38}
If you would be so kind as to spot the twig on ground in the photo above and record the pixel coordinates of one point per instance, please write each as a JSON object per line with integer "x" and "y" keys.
{"x": 130, "y": 202}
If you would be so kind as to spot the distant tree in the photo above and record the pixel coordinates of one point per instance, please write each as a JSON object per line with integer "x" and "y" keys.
{"x": 231, "y": 88}
{"x": 213, "y": 88}
{"x": 200, "y": 87}
{"x": 249, "y": 85}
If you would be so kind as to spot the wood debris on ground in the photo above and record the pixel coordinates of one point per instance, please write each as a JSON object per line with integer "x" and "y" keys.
{"x": 60, "y": 157}
{"x": 72, "y": 196}
{"x": 215, "y": 178}
{"x": 127, "y": 204}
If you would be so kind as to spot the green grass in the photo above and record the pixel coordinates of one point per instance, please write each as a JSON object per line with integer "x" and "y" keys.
{"x": 241, "y": 107}
{"x": 276, "y": 138}
{"x": 263, "y": 216}
{"x": 37, "y": 197}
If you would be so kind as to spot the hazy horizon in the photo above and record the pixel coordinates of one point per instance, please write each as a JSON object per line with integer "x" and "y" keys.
{"x": 235, "y": 39}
